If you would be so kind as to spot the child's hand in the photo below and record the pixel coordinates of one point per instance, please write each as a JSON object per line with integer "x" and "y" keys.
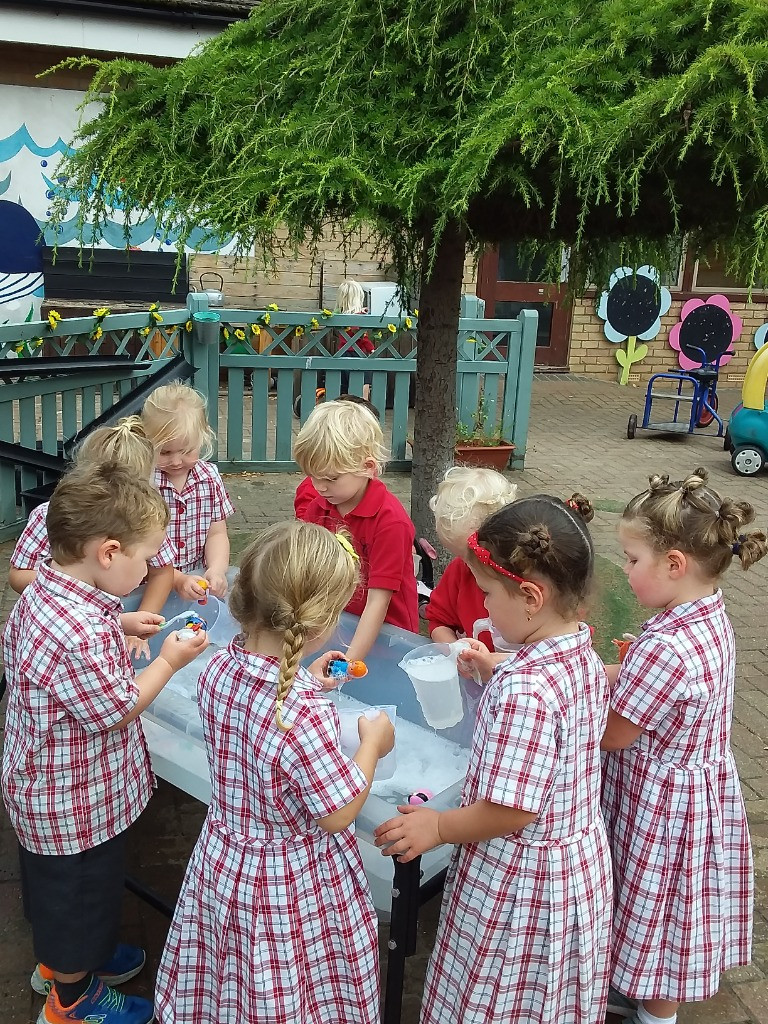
{"x": 137, "y": 648}
{"x": 378, "y": 730}
{"x": 189, "y": 587}
{"x": 612, "y": 671}
{"x": 218, "y": 583}
{"x": 478, "y": 658}
{"x": 319, "y": 669}
{"x": 179, "y": 653}
{"x": 141, "y": 624}
{"x": 415, "y": 832}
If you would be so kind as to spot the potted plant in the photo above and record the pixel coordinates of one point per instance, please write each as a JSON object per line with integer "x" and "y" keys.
{"x": 476, "y": 445}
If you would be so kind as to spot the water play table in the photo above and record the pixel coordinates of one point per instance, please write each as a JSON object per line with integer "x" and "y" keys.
{"x": 425, "y": 758}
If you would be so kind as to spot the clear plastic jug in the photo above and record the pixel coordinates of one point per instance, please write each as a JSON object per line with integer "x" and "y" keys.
{"x": 432, "y": 670}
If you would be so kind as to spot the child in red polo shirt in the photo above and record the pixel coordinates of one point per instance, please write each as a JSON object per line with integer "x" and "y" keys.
{"x": 305, "y": 492}
{"x": 464, "y": 500}
{"x": 341, "y": 449}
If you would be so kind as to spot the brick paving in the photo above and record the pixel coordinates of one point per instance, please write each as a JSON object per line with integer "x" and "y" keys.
{"x": 578, "y": 442}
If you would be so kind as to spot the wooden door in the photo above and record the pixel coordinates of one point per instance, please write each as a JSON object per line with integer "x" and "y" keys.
{"x": 507, "y": 287}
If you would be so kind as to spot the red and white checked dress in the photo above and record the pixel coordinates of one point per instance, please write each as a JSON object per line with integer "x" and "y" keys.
{"x": 674, "y": 812}
{"x": 525, "y": 924}
{"x": 202, "y": 501}
{"x": 275, "y": 922}
{"x": 33, "y": 547}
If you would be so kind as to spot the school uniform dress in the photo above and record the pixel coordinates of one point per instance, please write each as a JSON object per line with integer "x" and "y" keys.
{"x": 275, "y": 922}
{"x": 525, "y": 922}
{"x": 202, "y": 501}
{"x": 674, "y": 811}
{"x": 33, "y": 546}
{"x": 382, "y": 535}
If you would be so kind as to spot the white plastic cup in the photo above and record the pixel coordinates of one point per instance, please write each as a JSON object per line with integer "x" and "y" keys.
{"x": 435, "y": 677}
{"x": 350, "y": 737}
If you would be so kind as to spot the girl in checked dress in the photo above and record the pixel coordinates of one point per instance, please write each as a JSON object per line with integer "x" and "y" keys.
{"x": 275, "y": 921}
{"x": 525, "y": 922}
{"x": 671, "y": 798}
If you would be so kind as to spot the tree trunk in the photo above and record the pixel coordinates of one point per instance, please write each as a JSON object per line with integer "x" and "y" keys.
{"x": 435, "y": 411}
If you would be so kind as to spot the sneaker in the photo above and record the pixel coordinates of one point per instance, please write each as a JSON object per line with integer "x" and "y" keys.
{"x": 98, "y": 1003}
{"x": 621, "y": 1006}
{"x": 125, "y": 964}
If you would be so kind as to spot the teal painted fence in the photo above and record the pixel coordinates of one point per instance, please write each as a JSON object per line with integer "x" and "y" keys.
{"x": 265, "y": 361}
{"x": 253, "y": 365}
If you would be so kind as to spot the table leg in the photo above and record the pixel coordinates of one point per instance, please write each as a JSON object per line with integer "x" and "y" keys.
{"x": 402, "y": 934}
{"x": 148, "y": 896}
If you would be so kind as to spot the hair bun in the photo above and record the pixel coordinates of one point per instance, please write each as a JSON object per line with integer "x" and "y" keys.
{"x": 696, "y": 480}
{"x": 582, "y": 506}
{"x": 658, "y": 482}
{"x": 536, "y": 541}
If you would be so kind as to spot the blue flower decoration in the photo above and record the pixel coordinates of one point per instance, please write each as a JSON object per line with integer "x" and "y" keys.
{"x": 761, "y": 335}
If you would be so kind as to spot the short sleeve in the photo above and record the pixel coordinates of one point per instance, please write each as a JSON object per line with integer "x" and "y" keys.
{"x": 32, "y": 547}
{"x": 520, "y": 758}
{"x": 323, "y": 778}
{"x": 165, "y": 556}
{"x": 94, "y": 684}
{"x": 223, "y": 507}
{"x": 305, "y": 495}
{"x": 652, "y": 680}
{"x": 442, "y": 609}
{"x": 390, "y": 555}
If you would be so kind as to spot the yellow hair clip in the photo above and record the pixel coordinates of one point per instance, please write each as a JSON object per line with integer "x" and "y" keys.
{"x": 347, "y": 546}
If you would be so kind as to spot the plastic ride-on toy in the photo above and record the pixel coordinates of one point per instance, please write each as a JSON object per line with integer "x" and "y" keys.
{"x": 747, "y": 434}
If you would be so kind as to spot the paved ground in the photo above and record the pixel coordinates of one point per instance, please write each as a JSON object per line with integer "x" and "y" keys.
{"x": 577, "y": 442}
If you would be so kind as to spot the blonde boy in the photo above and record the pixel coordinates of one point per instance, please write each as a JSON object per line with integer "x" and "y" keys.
{"x": 341, "y": 448}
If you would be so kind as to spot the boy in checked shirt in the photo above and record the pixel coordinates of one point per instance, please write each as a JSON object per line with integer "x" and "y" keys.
{"x": 76, "y": 771}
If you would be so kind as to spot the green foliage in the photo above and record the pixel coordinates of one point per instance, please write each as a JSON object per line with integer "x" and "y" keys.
{"x": 606, "y": 126}
{"x": 476, "y": 432}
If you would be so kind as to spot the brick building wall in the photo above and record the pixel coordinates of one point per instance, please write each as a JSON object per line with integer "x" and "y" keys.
{"x": 591, "y": 353}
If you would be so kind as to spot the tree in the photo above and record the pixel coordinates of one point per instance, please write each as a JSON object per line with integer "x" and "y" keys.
{"x": 606, "y": 127}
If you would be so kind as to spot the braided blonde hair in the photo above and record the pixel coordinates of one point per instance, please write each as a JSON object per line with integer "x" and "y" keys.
{"x": 126, "y": 443}
{"x": 692, "y": 517}
{"x": 295, "y": 579}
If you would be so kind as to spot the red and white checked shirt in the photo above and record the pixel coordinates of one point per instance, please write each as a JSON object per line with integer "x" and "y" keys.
{"x": 201, "y": 502}
{"x": 33, "y": 547}
{"x": 70, "y": 781}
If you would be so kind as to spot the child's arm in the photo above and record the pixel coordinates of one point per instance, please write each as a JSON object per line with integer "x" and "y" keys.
{"x": 158, "y": 586}
{"x": 371, "y": 621}
{"x": 443, "y": 635}
{"x": 619, "y": 733}
{"x": 217, "y": 557}
{"x": 377, "y": 738}
{"x": 20, "y": 579}
{"x": 441, "y": 610}
{"x": 421, "y": 829}
{"x": 174, "y": 654}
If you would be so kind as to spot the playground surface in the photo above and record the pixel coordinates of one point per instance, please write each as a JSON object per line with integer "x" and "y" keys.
{"x": 577, "y": 442}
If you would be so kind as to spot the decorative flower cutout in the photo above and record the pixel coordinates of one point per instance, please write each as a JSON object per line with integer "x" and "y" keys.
{"x": 706, "y": 332}
{"x": 761, "y": 336}
{"x": 632, "y": 308}
{"x": 54, "y": 319}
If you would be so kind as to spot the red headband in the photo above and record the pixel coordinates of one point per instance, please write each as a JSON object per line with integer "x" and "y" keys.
{"x": 484, "y": 557}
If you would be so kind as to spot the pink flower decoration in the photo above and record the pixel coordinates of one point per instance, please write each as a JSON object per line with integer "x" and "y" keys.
{"x": 704, "y": 324}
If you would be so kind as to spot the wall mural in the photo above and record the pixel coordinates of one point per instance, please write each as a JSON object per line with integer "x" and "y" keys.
{"x": 706, "y": 332}
{"x": 34, "y": 124}
{"x": 632, "y": 309}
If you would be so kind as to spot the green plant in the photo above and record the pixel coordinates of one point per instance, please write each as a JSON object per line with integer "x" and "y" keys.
{"x": 476, "y": 432}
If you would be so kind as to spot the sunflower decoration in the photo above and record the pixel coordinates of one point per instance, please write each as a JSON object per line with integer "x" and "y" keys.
{"x": 154, "y": 314}
{"x": 54, "y": 319}
{"x": 632, "y": 309}
{"x": 101, "y": 314}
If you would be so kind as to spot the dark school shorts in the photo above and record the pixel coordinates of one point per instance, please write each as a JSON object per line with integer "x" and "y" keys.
{"x": 74, "y": 904}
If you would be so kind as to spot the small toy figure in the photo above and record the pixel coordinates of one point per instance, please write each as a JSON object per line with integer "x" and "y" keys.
{"x": 204, "y": 584}
{"x": 623, "y": 645}
{"x": 420, "y": 796}
{"x": 345, "y": 670}
{"x": 194, "y": 623}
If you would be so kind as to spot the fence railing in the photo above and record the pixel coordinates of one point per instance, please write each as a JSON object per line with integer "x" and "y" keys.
{"x": 260, "y": 370}
{"x": 270, "y": 365}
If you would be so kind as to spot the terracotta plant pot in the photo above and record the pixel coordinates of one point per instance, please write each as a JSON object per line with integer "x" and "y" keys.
{"x": 490, "y": 457}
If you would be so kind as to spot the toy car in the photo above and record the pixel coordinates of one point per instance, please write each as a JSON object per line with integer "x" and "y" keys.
{"x": 747, "y": 434}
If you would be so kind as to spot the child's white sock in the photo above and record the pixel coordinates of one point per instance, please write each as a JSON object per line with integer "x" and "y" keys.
{"x": 648, "y": 1018}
